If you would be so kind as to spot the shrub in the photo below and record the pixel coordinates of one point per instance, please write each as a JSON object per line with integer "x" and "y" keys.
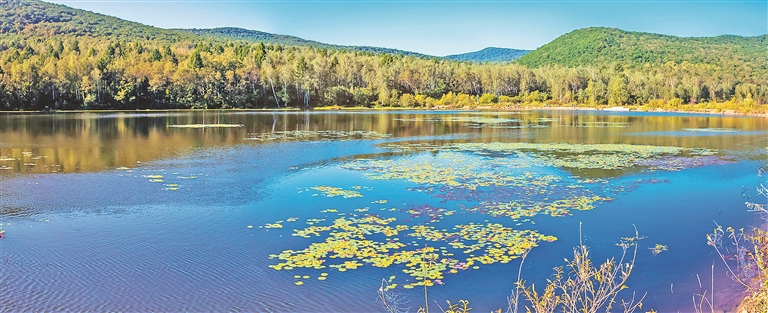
{"x": 488, "y": 99}
{"x": 407, "y": 100}
{"x": 536, "y": 96}
{"x": 464, "y": 100}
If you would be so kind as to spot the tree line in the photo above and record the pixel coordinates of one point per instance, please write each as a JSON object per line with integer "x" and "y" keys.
{"x": 62, "y": 73}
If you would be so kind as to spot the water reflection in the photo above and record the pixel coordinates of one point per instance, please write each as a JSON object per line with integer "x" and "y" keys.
{"x": 86, "y": 142}
{"x": 122, "y": 230}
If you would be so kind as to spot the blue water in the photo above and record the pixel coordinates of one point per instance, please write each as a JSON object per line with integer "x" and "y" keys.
{"x": 110, "y": 240}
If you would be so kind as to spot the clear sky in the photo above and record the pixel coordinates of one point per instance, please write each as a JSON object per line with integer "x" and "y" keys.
{"x": 446, "y": 26}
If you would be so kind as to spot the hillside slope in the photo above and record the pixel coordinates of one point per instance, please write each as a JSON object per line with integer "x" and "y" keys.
{"x": 31, "y": 18}
{"x": 234, "y": 33}
{"x": 590, "y": 46}
{"x": 25, "y": 19}
{"x": 490, "y": 54}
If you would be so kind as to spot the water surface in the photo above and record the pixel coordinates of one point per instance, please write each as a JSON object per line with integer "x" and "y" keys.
{"x": 120, "y": 212}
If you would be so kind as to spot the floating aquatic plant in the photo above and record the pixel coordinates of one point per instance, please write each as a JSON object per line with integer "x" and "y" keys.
{"x": 428, "y": 119}
{"x": 351, "y": 243}
{"x": 658, "y": 248}
{"x": 330, "y": 192}
{"x": 712, "y": 130}
{"x": 511, "y": 180}
{"x": 679, "y": 163}
{"x": 565, "y": 155}
{"x": 527, "y": 208}
{"x": 432, "y": 213}
{"x": 315, "y": 135}
{"x": 481, "y": 120}
{"x": 603, "y": 125}
{"x": 206, "y": 126}
{"x": 449, "y": 169}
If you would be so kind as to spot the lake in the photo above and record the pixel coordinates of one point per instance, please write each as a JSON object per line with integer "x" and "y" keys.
{"x": 311, "y": 211}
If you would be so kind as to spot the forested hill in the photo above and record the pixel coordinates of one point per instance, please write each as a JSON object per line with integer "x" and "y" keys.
{"x": 30, "y": 18}
{"x": 57, "y": 58}
{"x": 234, "y": 33}
{"x": 590, "y": 46}
{"x": 24, "y": 19}
{"x": 490, "y": 54}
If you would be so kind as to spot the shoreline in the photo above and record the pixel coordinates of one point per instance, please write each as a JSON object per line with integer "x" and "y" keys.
{"x": 363, "y": 109}
{"x": 629, "y": 109}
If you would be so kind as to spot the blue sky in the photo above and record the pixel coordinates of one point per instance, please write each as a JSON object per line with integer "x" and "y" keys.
{"x": 446, "y": 26}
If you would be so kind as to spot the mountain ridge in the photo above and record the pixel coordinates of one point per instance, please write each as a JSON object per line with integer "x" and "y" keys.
{"x": 581, "y": 47}
{"x": 489, "y": 54}
{"x": 238, "y": 33}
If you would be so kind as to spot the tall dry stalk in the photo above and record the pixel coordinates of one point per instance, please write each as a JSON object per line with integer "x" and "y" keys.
{"x": 747, "y": 262}
{"x": 585, "y": 288}
{"x": 391, "y": 301}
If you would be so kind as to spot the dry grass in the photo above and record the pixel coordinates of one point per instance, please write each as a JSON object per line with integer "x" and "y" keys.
{"x": 582, "y": 287}
{"x": 745, "y": 258}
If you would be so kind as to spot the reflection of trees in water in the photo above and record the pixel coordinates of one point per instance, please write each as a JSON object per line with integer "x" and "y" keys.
{"x": 16, "y": 211}
{"x": 77, "y": 142}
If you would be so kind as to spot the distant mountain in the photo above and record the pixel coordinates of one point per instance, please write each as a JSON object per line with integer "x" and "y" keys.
{"x": 234, "y": 33}
{"x": 597, "y": 45}
{"x": 25, "y": 19}
{"x": 32, "y": 18}
{"x": 490, "y": 54}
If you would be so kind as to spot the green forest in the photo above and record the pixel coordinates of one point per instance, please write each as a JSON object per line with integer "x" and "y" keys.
{"x": 56, "y": 58}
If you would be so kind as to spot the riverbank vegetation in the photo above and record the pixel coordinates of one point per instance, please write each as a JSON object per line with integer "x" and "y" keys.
{"x": 745, "y": 256}
{"x": 56, "y": 58}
